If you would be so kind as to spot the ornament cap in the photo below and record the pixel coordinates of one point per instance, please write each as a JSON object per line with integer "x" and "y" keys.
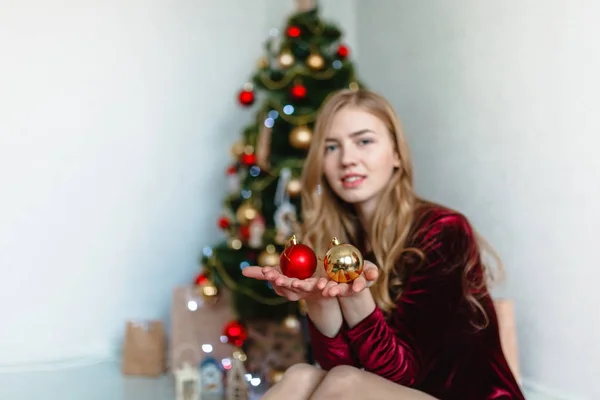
{"x": 334, "y": 242}
{"x": 292, "y": 242}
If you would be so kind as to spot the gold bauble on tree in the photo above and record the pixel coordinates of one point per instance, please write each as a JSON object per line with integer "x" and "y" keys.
{"x": 300, "y": 137}
{"x": 286, "y": 59}
{"x": 206, "y": 288}
{"x": 315, "y": 61}
{"x": 263, "y": 62}
{"x": 269, "y": 257}
{"x": 275, "y": 375}
{"x": 294, "y": 187}
{"x": 246, "y": 213}
{"x": 237, "y": 149}
{"x": 343, "y": 262}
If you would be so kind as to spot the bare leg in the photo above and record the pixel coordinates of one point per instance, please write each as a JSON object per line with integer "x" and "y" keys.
{"x": 349, "y": 383}
{"x": 298, "y": 383}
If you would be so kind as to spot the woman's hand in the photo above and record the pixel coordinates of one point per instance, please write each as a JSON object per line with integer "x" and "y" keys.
{"x": 291, "y": 288}
{"x": 366, "y": 279}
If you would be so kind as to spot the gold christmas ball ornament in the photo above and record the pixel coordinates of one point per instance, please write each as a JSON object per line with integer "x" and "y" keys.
{"x": 208, "y": 291}
{"x": 263, "y": 62}
{"x": 294, "y": 187}
{"x": 246, "y": 213}
{"x": 268, "y": 258}
{"x": 237, "y": 149}
{"x": 300, "y": 137}
{"x": 275, "y": 375}
{"x": 315, "y": 61}
{"x": 286, "y": 59}
{"x": 343, "y": 262}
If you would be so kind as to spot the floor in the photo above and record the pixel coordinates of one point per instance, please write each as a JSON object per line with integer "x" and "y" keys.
{"x": 102, "y": 381}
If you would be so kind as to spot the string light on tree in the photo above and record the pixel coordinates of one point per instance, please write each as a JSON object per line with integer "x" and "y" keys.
{"x": 353, "y": 86}
{"x": 286, "y": 59}
{"x": 234, "y": 243}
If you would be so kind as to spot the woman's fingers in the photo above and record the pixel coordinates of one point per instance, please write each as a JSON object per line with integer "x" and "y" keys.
{"x": 359, "y": 284}
{"x": 328, "y": 286}
{"x": 254, "y": 272}
{"x": 307, "y": 285}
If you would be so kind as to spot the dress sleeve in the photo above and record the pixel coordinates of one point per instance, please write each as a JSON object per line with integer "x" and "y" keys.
{"x": 331, "y": 352}
{"x": 397, "y": 348}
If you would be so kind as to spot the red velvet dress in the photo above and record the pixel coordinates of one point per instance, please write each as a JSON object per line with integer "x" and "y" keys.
{"x": 428, "y": 343}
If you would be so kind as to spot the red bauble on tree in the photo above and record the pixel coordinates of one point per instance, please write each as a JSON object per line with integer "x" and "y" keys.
{"x": 343, "y": 51}
{"x": 224, "y": 223}
{"x": 201, "y": 279}
{"x": 298, "y": 91}
{"x": 245, "y": 232}
{"x": 246, "y": 96}
{"x": 235, "y": 333}
{"x": 298, "y": 260}
{"x": 248, "y": 159}
{"x": 293, "y": 31}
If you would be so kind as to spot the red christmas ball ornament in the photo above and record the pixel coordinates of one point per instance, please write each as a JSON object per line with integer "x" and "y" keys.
{"x": 298, "y": 91}
{"x": 235, "y": 333}
{"x": 201, "y": 279}
{"x": 343, "y": 51}
{"x": 224, "y": 223}
{"x": 246, "y": 96}
{"x": 298, "y": 260}
{"x": 248, "y": 159}
{"x": 232, "y": 170}
{"x": 293, "y": 31}
{"x": 245, "y": 232}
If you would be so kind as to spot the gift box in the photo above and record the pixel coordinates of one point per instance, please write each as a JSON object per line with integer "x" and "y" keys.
{"x": 272, "y": 347}
{"x": 197, "y": 325}
{"x": 145, "y": 348}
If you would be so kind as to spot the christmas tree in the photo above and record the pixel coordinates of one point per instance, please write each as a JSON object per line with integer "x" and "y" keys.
{"x": 301, "y": 66}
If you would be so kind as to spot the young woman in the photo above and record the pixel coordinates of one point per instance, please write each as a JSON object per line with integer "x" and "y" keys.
{"x": 419, "y": 323}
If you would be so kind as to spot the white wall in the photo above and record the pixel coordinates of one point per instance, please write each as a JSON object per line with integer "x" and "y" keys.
{"x": 500, "y": 102}
{"x": 113, "y": 144}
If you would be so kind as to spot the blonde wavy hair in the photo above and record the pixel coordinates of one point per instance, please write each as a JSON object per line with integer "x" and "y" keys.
{"x": 325, "y": 215}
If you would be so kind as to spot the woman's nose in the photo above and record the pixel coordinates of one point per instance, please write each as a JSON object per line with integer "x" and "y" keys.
{"x": 348, "y": 156}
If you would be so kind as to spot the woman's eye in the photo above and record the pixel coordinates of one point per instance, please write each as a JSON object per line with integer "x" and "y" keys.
{"x": 329, "y": 148}
{"x": 365, "y": 141}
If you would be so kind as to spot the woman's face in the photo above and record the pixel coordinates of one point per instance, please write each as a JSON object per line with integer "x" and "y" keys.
{"x": 359, "y": 158}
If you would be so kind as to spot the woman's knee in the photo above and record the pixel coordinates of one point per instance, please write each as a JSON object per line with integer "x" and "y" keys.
{"x": 338, "y": 381}
{"x": 303, "y": 373}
